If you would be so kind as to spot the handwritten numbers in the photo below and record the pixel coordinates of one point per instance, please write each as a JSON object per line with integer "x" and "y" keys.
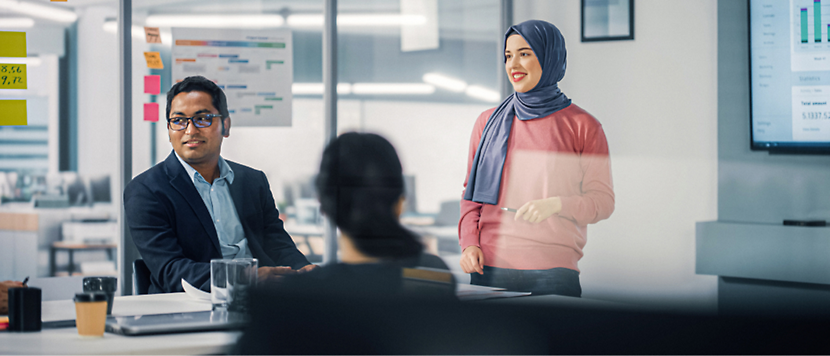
{"x": 12, "y": 76}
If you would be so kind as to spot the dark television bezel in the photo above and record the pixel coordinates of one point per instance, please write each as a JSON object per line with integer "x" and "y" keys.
{"x": 807, "y": 148}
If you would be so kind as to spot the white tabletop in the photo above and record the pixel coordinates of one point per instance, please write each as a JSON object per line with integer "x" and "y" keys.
{"x": 67, "y": 340}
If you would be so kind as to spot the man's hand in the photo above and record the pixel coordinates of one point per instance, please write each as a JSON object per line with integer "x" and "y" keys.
{"x": 307, "y": 268}
{"x": 472, "y": 260}
{"x": 4, "y": 294}
{"x": 265, "y": 274}
{"x": 535, "y": 211}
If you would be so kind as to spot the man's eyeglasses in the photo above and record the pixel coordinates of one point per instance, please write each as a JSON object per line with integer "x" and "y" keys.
{"x": 179, "y": 123}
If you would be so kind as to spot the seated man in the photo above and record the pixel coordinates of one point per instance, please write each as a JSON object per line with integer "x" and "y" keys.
{"x": 195, "y": 206}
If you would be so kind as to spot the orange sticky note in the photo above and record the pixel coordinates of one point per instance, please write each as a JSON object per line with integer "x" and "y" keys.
{"x": 151, "y": 112}
{"x": 152, "y": 34}
{"x": 12, "y": 76}
{"x": 152, "y": 84}
{"x": 153, "y": 60}
{"x": 13, "y": 113}
{"x": 12, "y": 44}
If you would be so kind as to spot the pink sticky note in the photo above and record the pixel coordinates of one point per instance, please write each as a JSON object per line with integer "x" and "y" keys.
{"x": 151, "y": 112}
{"x": 152, "y": 84}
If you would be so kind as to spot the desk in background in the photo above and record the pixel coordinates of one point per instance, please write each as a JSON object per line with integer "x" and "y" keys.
{"x": 71, "y": 248}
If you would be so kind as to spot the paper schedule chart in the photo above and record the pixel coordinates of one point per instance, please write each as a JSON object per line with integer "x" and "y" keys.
{"x": 253, "y": 67}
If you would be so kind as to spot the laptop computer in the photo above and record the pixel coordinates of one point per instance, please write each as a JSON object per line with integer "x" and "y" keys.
{"x": 175, "y": 322}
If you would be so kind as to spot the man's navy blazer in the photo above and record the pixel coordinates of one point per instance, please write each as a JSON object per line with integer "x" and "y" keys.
{"x": 174, "y": 233}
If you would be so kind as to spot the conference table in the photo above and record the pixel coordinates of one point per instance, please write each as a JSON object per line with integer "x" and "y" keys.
{"x": 65, "y": 340}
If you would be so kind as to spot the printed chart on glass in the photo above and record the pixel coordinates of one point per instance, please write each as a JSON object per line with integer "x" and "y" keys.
{"x": 253, "y": 67}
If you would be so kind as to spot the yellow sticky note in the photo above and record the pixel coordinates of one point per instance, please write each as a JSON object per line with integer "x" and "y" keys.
{"x": 12, "y": 44}
{"x": 13, "y": 113}
{"x": 153, "y": 60}
{"x": 12, "y": 76}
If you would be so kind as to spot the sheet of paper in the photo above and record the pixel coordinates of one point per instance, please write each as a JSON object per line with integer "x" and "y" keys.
{"x": 253, "y": 67}
{"x": 152, "y": 84}
{"x": 194, "y": 292}
{"x": 151, "y": 112}
{"x": 153, "y": 60}
{"x": 12, "y": 76}
{"x": 468, "y": 292}
{"x": 475, "y": 288}
{"x": 12, "y": 44}
{"x": 481, "y": 295}
{"x": 152, "y": 34}
{"x": 13, "y": 113}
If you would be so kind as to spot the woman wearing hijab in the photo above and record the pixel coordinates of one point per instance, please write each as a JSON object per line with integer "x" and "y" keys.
{"x": 538, "y": 174}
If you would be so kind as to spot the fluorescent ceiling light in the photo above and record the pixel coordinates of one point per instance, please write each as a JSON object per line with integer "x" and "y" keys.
{"x": 39, "y": 11}
{"x": 16, "y": 22}
{"x": 483, "y": 93}
{"x": 239, "y": 21}
{"x": 317, "y": 88}
{"x": 136, "y": 31}
{"x": 445, "y": 82}
{"x": 357, "y": 20}
{"x": 392, "y": 88}
{"x": 28, "y": 61}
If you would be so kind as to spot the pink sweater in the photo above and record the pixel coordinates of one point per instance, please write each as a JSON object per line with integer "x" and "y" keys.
{"x": 564, "y": 154}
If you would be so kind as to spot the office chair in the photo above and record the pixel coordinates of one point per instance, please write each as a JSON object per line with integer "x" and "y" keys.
{"x": 141, "y": 277}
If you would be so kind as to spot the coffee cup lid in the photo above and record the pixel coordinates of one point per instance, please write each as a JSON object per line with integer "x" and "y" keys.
{"x": 90, "y": 297}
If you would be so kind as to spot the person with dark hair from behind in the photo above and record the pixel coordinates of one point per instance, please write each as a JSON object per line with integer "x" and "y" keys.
{"x": 361, "y": 189}
{"x": 196, "y": 206}
{"x": 367, "y": 303}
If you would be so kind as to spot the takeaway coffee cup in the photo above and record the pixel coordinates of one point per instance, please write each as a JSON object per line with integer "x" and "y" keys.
{"x": 90, "y": 313}
{"x": 106, "y": 285}
{"x": 24, "y": 309}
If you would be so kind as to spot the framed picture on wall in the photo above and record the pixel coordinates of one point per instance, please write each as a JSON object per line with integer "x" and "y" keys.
{"x": 607, "y": 20}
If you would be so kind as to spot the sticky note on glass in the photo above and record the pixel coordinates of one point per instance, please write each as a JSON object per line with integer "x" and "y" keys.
{"x": 152, "y": 84}
{"x": 12, "y": 44}
{"x": 152, "y": 34}
{"x": 12, "y": 112}
{"x": 12, "y": 76}
{"x": 151, "y": 112}
{"x": 153, "y": 60}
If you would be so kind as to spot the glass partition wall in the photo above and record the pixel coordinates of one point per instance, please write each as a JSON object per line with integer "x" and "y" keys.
{"x": 58, "y": 208}
{"x": 417, "y": 72}
{"x": 249, "y": 49}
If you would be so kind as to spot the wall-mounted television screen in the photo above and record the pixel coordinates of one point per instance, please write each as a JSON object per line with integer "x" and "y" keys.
{"x": 789, "y": 61}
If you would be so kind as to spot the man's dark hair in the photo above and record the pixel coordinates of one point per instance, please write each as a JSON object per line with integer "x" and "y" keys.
{"x": 200, "y": 83}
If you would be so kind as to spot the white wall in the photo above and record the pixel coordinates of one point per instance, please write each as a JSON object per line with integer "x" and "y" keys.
{"x": 656, "y": 97}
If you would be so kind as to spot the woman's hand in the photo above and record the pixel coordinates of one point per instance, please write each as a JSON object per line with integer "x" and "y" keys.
{"x": 537, "y": 210}
{"x": 472, "y": 260}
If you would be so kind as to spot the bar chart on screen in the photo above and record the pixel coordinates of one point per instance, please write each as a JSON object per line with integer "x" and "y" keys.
{"x": 809, "y": 41}
{"x": 809, "y": 23}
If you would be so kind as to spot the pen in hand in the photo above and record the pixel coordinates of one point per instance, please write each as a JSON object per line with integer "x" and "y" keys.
{"x": 25, "y": 280}
{"x": 509, "y": 209}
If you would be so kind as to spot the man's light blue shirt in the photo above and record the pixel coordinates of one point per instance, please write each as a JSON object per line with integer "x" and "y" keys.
{"x": 217, "y": 198}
